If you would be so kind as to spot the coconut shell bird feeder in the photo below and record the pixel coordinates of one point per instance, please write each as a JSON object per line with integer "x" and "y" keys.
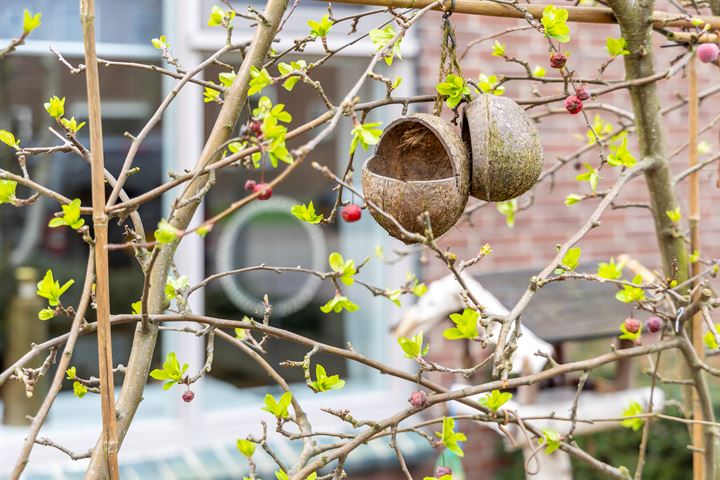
{"x": 505, "y": 148}
{"x": 420, "y": 165}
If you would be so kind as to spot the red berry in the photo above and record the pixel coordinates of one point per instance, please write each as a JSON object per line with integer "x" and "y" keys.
{"x": 418, "y": 399}
{"x": 653, "y": 324}
{"x": 708, "y": 52}
{"x": 250, "y": 185}
{"x": 351, "y": 213}
{"x": 254, "y": 127}
{"x": 263, "y": 190}
{"x": 188, "y": 396}
{"x": 582, "y": 92}
{"x": 573, "y": 104}
{"x": 632, "y": 325}
{"x": 442, "y": 471}
{"x": 557, "y": 60}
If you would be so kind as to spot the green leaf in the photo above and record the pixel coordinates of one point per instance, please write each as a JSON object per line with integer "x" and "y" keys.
{"x": 71, "y": 373}
{"x": 50, "y": 288}
{"x": 278, "y": 408}
{"x": 165, "y": 232}
{"x": 246, "y": 447}
{"x": 592, "y": 176}
{"x": 538, "y": 71}
{"x": 338, "y": 303}
{"x": 572, "y": 258}
{"x": 323, "y": 382}
{"x": 79, "y": 389}
{"x": 572, "y": 199}
{"x": 70, "y": 216}
{"x": 551, "y": 439}
{"x": 346, "y": 268}
{"x": 174, "y": 285}
{"x": 454, "y": 89}
{"x": 495, "y": 399}
{"x": 710, "y": 340}
{"x": 630, "y": 294}
{"x": 218, "y": 17}
{"x": 136, "y": 307}
{"x": 610, "y": 270}
{"x": 413, "y": 347}
{"x": 171, "y": 371}
{"x": 161, "y": 43}
{"x": 55, "y": 106}
{"x": 47, "y": 313}
{"x": 306, "y": 213}
{"x": 554, "y": 20}
{"x": 450, "y": 438}
{"x": 240, "y": 333}
{"x": 465, "y": 325}
{"x": 9, "y": 139}
{"x": 227, "y": 78}
{"x": 72, "y": 125}
{"x": 632, "y": 410}
{"x": 489, "y": 84}
{"x": 381, "y": 37}
{"x": 31, "y": 21}
{"x": 616, "y": 46}
{"x": 365, "y": 134}
{"x": 7, "y": 191}
{"x": 321, "y": 28}
{"x": 674, "y": 215}
{"x": 286, "y": 69}
{"x": 498, "y": 49}
{"x": 260, "y": 79}
{"x": 211, "y": 95}
{"x": 600, "y": 128}
{"x": 508, "y": 209}
{"x": 621, "y": 156}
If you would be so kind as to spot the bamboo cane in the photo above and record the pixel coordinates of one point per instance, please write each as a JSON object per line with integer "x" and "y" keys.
{"x": 575, "y": 14}
{"x": 100, "y": 227}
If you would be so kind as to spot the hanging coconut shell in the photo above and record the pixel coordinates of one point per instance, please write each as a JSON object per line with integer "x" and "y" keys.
{"x": 420, "y": 165}
{"x": 505, "y": 149}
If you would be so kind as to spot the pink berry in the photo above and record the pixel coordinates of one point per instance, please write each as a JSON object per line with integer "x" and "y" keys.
{"x": 708, "y": 52}
{"x": 558, "y": 60}
{"x": 351, "y": 213}
{"x": 263, "y": 190}
{"x": 418, "y": 399}
{"x": 442, "y": 471}
{"x": 250, "y": 185}
{"x": 188, "y": 396}
{"x": 255, "y": 127}
{"x": 582, "y": 92}
{"x": 573, "y": 104}
{"x": 653, "y": 324}
{"x": 632, "y": 325}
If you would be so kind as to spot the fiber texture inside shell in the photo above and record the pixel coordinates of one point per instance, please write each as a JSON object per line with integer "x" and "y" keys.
{"x": 421, "y": 164}
{"x": 506, "y": 152}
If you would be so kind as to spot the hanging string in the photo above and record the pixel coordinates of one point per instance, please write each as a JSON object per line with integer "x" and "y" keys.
{"x": 448, "y": 58}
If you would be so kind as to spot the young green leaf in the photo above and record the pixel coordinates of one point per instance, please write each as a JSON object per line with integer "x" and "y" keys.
{"x": 278, "y": 408}
{"x": 571, "y": 259}
{"x": 246, "y": 447}
{"x": 227, "y": 78}
{"x": 592, "y": 176}
{"x": 633, "y": 410}
{"x": 551, "y": 439}
{"x": 498, "y": 49}
{"x": 413, "y": 347}
{"x": 47, "y": 313}
{"x": 450, "y": 438}
{"x": 380, "y": 38}
{"x": 495, "y": 399}
{"x": 79, "y": 389}
{"x": 218, "y": 17}
{"x": 259, "y": 80}
{"x": 31, "y": 21}
{"x": 160, "y": 43}
{"x": 674, "y": 215}
{"x": 346, "y": 268}
{"x": 323, "y": 382}
{"x": 616, "y": 46}
{"x": 50, "y": 288}
{"x": 55, "y": 107}
{"x": 9, "y": 139}
{"x": 70, "y": 216}
{"x": 306, "y": 213}
{"x": 538, "y": 71}
{"x": 628, "y": 335}
{"x": 71, "y": 373}
{"x": 285, "y": 69}
{"x": 465, "y": 325}
{"x": 508, "y": 209}
{"x": 554, "y": 20}
{"x": 489, "y": 84}
{"x": 171, "y": 372}
{"x": 338, "y": 303}
{"x": 572, "y": 199}
{"x": 240, "y": 333}
{"x": 365, "y": 134}
{"x": 165, "y": 232}
{"x": 211, "y": 95}
{"x": 321, "y": 28}
{"x": 621, "y": 156}
{"x": 710, "y": 340}
{"x": 454, "y": 89}
{"x": 600, "y": 128}
{"x": 629, "y": 293}
{"x": 173, "y": 286}
{"x": 72, "y": 125}
{"x": 136, "y": 307}
{"x": 7, "y": 191}
{"x": 611, "y": 270}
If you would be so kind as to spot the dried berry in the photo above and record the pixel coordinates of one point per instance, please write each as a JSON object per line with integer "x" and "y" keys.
{"x": 263, "y": 190}
{"x": 188, "y": 396}
{"x": 708, "y": 52}
{"x": 632, "y": 325}
{"x": 351, "y": 213}
{"x": 254, "y": 127}
{"x": 558, "y": 60}
{"x": 442, "y": 471}
{"x": 582, "y": 92}
{"x": 418, "y": 399}
{"x": 653, "y": 324}
{"x": 250, "y": 185}
{"x": 573, "y": 104}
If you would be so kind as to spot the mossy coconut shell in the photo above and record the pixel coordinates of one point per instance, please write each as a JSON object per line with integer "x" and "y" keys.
{"x": 421, "y": 164}
{"x": 505, "y": 148}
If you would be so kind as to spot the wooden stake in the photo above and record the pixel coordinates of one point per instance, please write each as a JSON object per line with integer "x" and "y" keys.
{"x": 694, "y": 220}
{"x": 100, "y": 228}
{"x": 575, "y": 14}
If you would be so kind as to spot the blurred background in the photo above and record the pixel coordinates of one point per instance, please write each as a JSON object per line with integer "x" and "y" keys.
{"x": 171, "y": 439}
